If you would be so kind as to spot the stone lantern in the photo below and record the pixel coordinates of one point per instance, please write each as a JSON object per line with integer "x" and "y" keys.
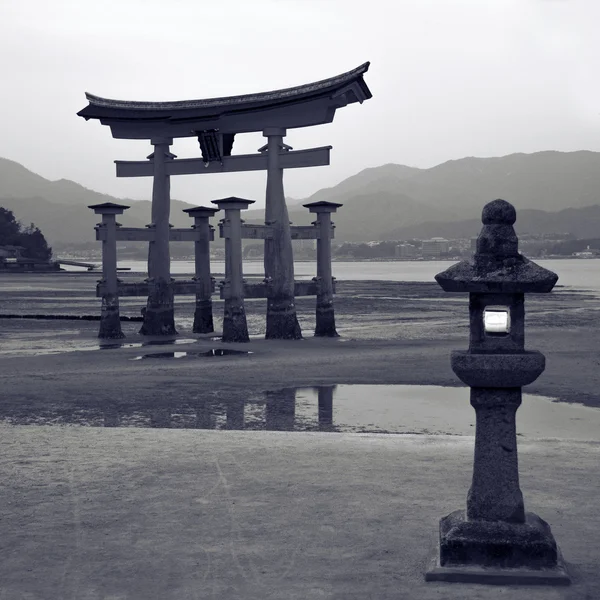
{"x": 495, "y": 540}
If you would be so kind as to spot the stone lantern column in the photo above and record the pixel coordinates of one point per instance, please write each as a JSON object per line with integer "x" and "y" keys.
{"x": 203, "y": 315}
{"x": 235, "y": 328}
{"x": 110, "y": 319}
{"x": 282, "y": 321}
{"x": 159, "y": 318}
{"x": 495, "y": 532}
{"x": 325, "y": 317}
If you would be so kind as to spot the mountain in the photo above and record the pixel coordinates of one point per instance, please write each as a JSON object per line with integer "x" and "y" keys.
{"x": 387, "y": 202}
{"x": 60, "y": 208}
{"x": 371, "y": 200}
{"x": 386, "y": 178}
{"x": 544, "y": 180}
{"x": 581, "y": 222}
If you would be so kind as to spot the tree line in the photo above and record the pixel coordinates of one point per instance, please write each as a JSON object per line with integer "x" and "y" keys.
{"x": 30, "y": 238}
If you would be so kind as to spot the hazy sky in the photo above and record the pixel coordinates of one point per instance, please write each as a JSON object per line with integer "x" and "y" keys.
{"x": 450, "y": 78}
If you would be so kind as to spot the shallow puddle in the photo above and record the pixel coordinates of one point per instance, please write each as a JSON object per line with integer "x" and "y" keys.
{"x": 397, "y": 409}
{"x": 194, "y": 354}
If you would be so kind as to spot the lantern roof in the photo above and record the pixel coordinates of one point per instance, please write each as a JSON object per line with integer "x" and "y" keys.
{"x": 497, "y": 266}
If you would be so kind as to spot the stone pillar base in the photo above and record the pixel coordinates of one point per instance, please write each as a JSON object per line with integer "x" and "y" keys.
{"x": 110, "y": 319}
{"x": 235, "y": 328}
{"x": 159, "y": 318}
{"x": 497, "y": 552}
{"x": 325, "y": 326}
{"x": 282, "y": 322}
{"x": 203, "y": 317}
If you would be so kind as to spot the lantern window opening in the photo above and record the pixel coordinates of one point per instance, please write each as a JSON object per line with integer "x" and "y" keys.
{"x": 496, "y": 320}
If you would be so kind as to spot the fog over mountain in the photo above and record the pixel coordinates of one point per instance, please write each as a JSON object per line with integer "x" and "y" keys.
{"x": 552, "y": 191}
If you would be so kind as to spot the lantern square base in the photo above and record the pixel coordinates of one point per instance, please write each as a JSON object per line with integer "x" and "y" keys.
{"x": 497, "y": 553}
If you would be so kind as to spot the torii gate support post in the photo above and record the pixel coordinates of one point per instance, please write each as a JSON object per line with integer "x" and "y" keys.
{"x": 159, "y": 318}
{"x": 235, "y": 328}
{"x": 282, "y": 321}
{"x": 110, "y": 318}
{"x": 203, "y": 313}
{"x": 325, "y": 316}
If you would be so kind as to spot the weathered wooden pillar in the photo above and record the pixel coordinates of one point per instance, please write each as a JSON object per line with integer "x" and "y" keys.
{"x": 203, "y": 315}
{"x": 159, "y": 318}
{"x": 282, "y": 322}
{"x": 325, "y": 316}
{"x": 235, "y": 328}
{"x": 110, "y": 319}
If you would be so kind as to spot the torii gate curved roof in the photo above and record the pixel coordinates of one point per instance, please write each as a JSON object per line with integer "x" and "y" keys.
{"x": 301, "y": 106}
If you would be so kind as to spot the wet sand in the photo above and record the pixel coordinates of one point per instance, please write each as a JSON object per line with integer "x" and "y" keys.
{"x": 391, "y": 333}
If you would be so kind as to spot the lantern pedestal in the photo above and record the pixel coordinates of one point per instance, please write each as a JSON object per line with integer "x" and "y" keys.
{"x": 496, "y": 552}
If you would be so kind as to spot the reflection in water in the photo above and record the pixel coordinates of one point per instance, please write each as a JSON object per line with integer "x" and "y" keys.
{"x": 272, "y": 410}
{"x": 160, "y": 416}
{"x": 359, "y": 408}
{"x": 235, "y": 414}
{"x": 280, "y": 410}
{"x": 111, "y": 416}
{"x": 205, "y": 418}
{"x": 325, "y": 399}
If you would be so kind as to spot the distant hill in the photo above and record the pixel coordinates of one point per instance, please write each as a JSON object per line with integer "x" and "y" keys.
{"x": 60, "y": 208}
{"x": 581, "y": 222}
{"x": 371, "y": 200}
{"x": 387, "y": 202}
{"x": 544, "y": 180}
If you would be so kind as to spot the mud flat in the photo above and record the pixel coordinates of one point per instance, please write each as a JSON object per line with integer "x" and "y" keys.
{"x": 391, "y": 333}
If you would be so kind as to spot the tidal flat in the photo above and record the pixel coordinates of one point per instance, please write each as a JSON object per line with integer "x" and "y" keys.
{"x": 390, "y": 333}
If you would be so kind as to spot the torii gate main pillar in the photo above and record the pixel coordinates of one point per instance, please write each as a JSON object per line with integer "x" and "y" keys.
{"x": 159, "y": 318}
{"x": 282, "y": 322}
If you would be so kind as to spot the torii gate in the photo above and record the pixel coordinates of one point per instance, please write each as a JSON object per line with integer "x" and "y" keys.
{"x": 215, "y": 122}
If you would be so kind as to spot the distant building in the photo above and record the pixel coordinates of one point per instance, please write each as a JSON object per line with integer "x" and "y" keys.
{"x": 435, "y": 247}
{"x": 587, "y": 253}
{"x": 406, "y": 251}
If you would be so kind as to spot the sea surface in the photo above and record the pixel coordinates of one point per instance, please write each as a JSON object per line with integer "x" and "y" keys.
{"x": 582, "y": 274}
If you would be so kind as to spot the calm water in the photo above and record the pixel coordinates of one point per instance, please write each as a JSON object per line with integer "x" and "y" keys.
{"x": 400, "y": 409}
{"x": 577, "y": 273}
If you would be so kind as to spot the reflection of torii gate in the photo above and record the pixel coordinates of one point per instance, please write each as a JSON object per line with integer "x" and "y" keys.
{"x": 215, "y": 122}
